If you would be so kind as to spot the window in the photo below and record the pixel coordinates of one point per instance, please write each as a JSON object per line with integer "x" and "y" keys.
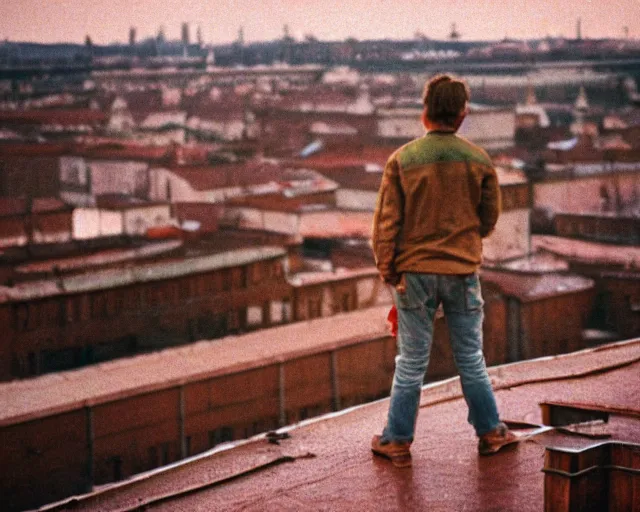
{"x": 21, "y": 316}
{"x": 33, "y": 363}
{"x": 314, "y": 308}
{"x": 116, "y": 464}
{"x": 276, "y": 311}
{"x": 346, "y": 302}
{"x": 233, "y": 320}
{"x": 254, "y": 315}
{"x": 286, "y": 310}
{"x": 226, "y": 280}
{"x": 153, "y": 457}
{"x": 256, "y": 272}
{"x": 98, "y": 305}
{"x": 239, "y": 277}
{"x": 164, "y": 450}
{"x": 220, "y": 435}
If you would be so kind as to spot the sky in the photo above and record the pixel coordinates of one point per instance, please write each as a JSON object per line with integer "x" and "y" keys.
{"x": 108, "y": 21}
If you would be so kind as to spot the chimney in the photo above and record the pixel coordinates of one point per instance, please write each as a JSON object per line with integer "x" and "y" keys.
{"x": 579, "y": 29}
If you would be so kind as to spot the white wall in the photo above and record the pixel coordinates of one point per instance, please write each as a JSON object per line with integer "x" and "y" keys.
{"x": 119, "y": 177}
{"x": 95, "y": 223}
{"x": 182, "y": 191}
{"x": 583, "y": 195}
{"x": 49, "y": 237}
{"x": 253, "y": 218}
{"x": 336, "y": 223}
{"x": 136, "y": 221}
{"x": 352, "y": 199}
{"x": 510, "y": 238}
{"x": 491, "y": 129}
{"x": 404, "y": 126}
{"x": 13, "y": 241}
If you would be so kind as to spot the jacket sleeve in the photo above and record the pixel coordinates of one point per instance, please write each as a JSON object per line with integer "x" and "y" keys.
{"x": 388, "y": 221}
{"x": 490, "y": 203}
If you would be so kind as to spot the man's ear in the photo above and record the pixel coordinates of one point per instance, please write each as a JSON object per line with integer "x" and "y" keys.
{"x": 425, "y": 120}
{"x": 461, "y": 117}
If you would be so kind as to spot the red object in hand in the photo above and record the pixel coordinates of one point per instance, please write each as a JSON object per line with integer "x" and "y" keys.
{"x": 392, "y": 321}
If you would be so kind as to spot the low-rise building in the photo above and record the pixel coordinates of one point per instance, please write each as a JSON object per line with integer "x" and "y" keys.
{"x": 76, "y": 317}
{"x": 545, "y": 400}
{"x": 40, "y": 221}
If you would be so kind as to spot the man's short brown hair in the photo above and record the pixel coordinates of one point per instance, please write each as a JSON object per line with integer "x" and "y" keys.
{"x": 445, "y": 98}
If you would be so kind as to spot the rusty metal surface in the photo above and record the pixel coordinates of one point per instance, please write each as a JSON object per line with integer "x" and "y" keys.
{"x": 447, "y": 473}
{"x": 100, "y": 383}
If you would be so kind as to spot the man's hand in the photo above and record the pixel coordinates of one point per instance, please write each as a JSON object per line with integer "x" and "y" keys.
{"x": 390, "y": 279}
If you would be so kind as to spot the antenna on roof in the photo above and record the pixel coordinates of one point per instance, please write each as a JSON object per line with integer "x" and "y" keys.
{"x": 454, "y": 35}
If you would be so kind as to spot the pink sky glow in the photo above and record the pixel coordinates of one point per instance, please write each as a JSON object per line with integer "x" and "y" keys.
{"x": 109, "y": 20}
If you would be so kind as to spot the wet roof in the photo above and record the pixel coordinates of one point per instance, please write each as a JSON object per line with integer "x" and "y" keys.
{"x": 589, "y": 252}
{"x": 326, "y": 463}
{"x": 207, "y": 177}
{"x": 347, "y": 157}
{"x": 115, "y": 277}
{"x": 53, "y": 116}
{"x": 340, "y": 274}
{"x": 100, "y": 258}
{"x": 29, "y": 399}
{"x": 10, "y": 206}
{"x": 528, "y": 286}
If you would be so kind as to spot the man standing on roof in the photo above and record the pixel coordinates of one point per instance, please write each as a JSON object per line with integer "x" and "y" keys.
{"x": 438, "y": 198}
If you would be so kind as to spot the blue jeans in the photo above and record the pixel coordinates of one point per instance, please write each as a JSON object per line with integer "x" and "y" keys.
{"x": 463, "y": 308}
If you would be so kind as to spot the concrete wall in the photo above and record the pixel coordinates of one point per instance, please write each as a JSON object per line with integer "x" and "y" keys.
{"x": 510, "y": 238}
{"x": 351, "y": 199}
{"x": 95, "y": 223}
{"x": 585, "y": 195}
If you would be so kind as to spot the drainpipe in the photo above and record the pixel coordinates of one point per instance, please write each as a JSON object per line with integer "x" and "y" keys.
{"x": 90, "y": 448}
{"x": 281, "y": 395}
{"x": 335, "y": 384}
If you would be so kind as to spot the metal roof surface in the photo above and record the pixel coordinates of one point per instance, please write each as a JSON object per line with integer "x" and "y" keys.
{"x": 115, "y": 277}
{"x": 23, "y": 400}
{"x": 326, "y": 463}
{"x": 588, "y": 252}
{"x": 530, "y": 287}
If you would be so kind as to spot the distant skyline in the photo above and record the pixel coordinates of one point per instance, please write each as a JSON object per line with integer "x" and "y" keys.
{"x": 107, "y": 21}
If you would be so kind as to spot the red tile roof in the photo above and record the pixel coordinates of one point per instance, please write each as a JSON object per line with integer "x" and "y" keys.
{"x": 226, "y": 108}
{"x": 34, "y": 149}
{"x": 352, "y": 157}
{"x": 65, "y": 117}
{"x": 123, "y": 151}
{"x": 18, "y": 205}
{"x": 355, "y": 178}
{"x": 229, "y": 175}
{"x": 281, "y": 203}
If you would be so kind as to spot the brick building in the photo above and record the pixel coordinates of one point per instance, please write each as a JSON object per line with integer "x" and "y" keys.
{"x": 68, "y": 320}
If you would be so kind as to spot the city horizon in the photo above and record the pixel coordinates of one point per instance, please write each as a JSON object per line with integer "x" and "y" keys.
{"x": 30, "y": 22}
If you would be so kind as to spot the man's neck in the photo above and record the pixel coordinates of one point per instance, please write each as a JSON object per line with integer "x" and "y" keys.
{"x": 443, "y": 129}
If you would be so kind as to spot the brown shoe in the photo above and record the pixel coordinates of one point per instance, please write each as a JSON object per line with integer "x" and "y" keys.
{"x": 498, "y": 438}
{"x": 397, "y": 452}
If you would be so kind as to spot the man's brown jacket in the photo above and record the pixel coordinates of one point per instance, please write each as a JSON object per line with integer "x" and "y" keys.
{"x": 438, "y": 197}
